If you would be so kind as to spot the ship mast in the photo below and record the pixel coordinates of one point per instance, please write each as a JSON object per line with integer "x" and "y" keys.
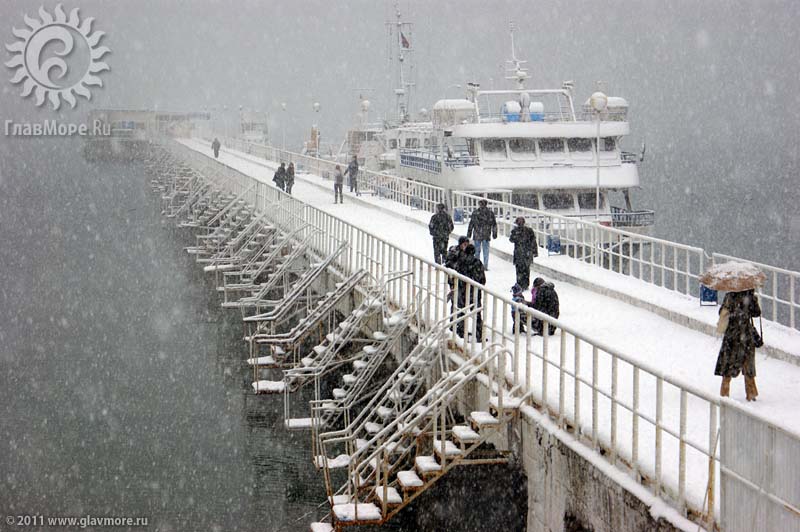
{"x": 400, "y": 34}
{"x": 514, "y": 68}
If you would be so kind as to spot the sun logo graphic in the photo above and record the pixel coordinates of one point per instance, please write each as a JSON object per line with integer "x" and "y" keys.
{"x": 41, "y": 54}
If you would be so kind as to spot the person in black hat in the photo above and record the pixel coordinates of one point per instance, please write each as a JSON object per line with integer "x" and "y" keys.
{"x": 440, "y": 227}
{"x": 525, "y": 249}
{"x": 544, "y": 299}
{"x": 471, "y": 266}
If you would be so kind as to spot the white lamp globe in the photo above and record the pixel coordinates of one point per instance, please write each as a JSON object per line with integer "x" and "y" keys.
{"x": 598, "y": 101}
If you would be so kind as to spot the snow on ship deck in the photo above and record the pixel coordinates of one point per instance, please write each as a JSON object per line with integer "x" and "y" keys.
{"x": 675, "y": 350}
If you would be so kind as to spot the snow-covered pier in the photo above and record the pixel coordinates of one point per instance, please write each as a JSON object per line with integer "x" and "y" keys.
{"x": 625, "y": 386}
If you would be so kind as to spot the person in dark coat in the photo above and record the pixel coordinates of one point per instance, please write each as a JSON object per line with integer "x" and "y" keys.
{"x": 280, "y": 177}
{"x": 440, "y": 227}
{"x": 352, "y": 175}
{"x": 482, "y": 229}
{"x": 338, "y": 181}
{"x": 544, "y": 299}
{"x": 289, "y": 178}
{"x": 525, "y": 249}
{"x": 738, "y": 351}
{"x": 469, "y": 265}
{"x": 454, "y": 255}
{"x": 215, "y": 146}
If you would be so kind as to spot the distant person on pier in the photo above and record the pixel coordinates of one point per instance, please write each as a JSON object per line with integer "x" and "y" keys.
{"x": 440, "y": 227}
{"x": 482, "y": 229}
{"x": 470, "y": 266}
{"x": 289, "y": 178}
{"x": 544, "y": 299}
{"x": 338, "y": 182}
{"x": 738, "y": 351}
{"x": 280, "y": 177}
{"x": 525, "y": 249}
{"x": 352, "y": 175}
{"x": 215, "y": 146}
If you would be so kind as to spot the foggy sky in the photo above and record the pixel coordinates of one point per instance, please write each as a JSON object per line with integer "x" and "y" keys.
{"x": 712, "y": 85}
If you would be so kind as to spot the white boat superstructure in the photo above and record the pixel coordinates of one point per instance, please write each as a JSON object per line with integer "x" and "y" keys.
{"x": 531, "y": 145}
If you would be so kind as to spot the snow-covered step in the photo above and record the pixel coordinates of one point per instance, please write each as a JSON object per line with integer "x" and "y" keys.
{"x": 385, "y": 412}
{"x": 391, "y": 495}
{"x": 380, "y": 336}
{"x": 396, "y": 318}
{"x": 450, "y": 448}
{"x": 372, "y": 428}
{"x": 269, "y": 386}
{"x": 321, "y": 527}
{"x": 299, "y": 423}
{"x": 340, "y": 499}
{"x": 464, "y": 434}
{"x": 358, "y": 365}
{"x": 394, "y": 447}
{"x": 509, "y": 402}
{"x": 409, "y": 480}
{"x": 349, "y": 378}
{"x": 343, "y": 460}
{"x": 427, "y": 465}
{"x": 361, "y": 512}
{"x": 278, "y": 350}
{"x": 308, "y": 361}
{"x": 319, "y": 349}
{"x": 361, "y": 443}
{"x": 483, "y": 419}
{"x": 261, "y": 361}
{"x": 370, "y": 349}
{"x": 339, "y": 393}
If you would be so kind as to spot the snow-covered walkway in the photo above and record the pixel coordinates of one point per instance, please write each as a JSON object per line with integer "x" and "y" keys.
{"x": 682, "y": 353}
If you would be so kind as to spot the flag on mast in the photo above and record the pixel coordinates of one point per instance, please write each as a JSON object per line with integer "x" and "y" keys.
{"x": 404, "y": 41}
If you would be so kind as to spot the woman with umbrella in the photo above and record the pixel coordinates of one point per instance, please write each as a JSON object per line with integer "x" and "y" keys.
{"x": 738, "y": 351}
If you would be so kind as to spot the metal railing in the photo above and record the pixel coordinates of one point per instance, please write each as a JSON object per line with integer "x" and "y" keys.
{"x": 421, "y": 160}
{"x": 642, "y": 419}
{"x": 660, "y": 262}
{"x": 657, "y": 261}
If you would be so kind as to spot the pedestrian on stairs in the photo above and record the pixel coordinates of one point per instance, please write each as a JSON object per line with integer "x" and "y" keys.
{"x": 482, "y": 228}
{"x": 738, "y": 351}
{"x": 525, "y": 249}
{"x": 470, "y": 266}
{"x": 440, "y": 227}
{"x": 280, "y": 177}
{"x": 338, "y": 182}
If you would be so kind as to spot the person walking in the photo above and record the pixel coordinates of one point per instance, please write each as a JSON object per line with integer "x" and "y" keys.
{"x": 544, "y": 298}
{"x": 738, "y": 351}
{"x": 352, "y": 175}
{"x": 482, "y": 228}
{"x": 289, "y": 178}
{"x": 440, "y": 227}
{"x": 454, "y": 255}
{"x": 338, "y": 181}
{"x": 525, "y": 249}
{"x": 215, "y": 146}
{"x": 470, "y": 266}
{"x": 280, "y": 177}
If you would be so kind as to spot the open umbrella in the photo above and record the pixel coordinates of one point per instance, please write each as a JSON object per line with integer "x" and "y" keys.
{"x": 733, "y": 277}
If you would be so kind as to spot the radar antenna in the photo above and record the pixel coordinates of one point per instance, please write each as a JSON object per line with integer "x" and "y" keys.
{"x": 514, "y": 68}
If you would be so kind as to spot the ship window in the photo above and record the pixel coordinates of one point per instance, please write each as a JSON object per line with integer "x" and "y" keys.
{"x": 529, "y": 200}
{"x": 609, "y": 144}
{"x": 579, "y": 145}
{"x": 522, "y": 149}
{"x": 588, "y": 200}
{"x": 551, "y": 145}
{"x": 494, "y": 148}
{"x": 427, "y": 143}
{"x": 558, "y": 201}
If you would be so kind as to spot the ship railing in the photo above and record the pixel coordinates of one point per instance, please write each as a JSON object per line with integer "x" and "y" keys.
{"x": 653, "y": 260}
{"x": 649, "y": 424}
{"x": 780, "y": 295}
{"x": 421, "y": 160}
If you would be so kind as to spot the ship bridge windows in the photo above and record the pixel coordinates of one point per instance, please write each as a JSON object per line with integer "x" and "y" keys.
{"x": 529, "y": 200}
{"x": 558, "y": 201}
{"x": 522, "y": 149}
{"x": 588, "y": 200}
{"x": 580, "y": 148}
{"x": 551, "y": 148}
{"x": 608, "y": 144}
{"x": 494, "y": 149}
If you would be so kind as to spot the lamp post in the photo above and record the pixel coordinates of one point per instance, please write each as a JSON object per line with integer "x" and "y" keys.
{"x": 318, "y": 147}
{"x": 241, "y": 121}
{"x": 283, "y": 125}
{"x": 598, "y": 101}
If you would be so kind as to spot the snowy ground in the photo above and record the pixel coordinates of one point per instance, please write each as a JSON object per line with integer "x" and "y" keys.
{"x": 676, "y": 351}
